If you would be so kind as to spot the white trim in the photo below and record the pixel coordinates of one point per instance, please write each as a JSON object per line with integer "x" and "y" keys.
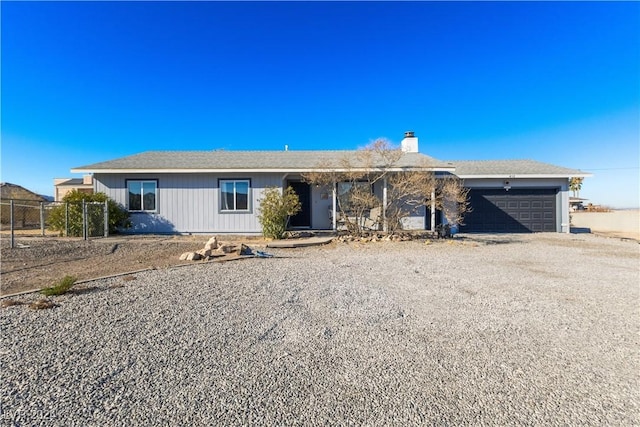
{"x": 384, "y": 202}
{"x": 519, "y": 175}
{"x": 129, "y": 171}
{"x": 142, "y": 207}
{"x": 235, "y": 195}
{"x": 334, "y": 210}
{"x": 432, "y": 220}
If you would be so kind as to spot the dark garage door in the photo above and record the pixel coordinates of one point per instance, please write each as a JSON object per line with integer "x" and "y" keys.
{"x": 513, "y": 211}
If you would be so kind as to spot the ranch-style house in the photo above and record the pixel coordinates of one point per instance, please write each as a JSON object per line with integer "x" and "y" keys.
{"x": 219, "y": 191}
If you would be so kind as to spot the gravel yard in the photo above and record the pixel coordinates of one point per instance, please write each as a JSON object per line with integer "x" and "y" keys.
{"x": 492, "y": 329}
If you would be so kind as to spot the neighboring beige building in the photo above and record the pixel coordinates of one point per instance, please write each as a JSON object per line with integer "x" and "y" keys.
{"x": 62, "y": 186}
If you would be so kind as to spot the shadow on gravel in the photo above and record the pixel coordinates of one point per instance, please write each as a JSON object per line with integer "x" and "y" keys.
{"x": 85, "y": 290}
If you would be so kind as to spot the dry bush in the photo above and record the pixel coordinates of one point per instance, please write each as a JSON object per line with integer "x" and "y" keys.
{"x": 597, "y": 208}
{"x": 42, "y": 304}
{"x": 454, "y": 199}
{"x": 9, "y": 303}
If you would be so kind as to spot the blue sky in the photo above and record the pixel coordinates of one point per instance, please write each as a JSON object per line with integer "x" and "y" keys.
{"x": 84, "y": 82}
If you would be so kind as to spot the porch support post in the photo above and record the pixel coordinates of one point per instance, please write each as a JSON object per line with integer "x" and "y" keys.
{"x": 384, "y": 203}
{"x": 334, "y": 224}
{"x": 433, "y": 211}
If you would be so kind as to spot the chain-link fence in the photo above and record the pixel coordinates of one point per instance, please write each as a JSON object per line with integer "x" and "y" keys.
{"x": 69, "y": 219}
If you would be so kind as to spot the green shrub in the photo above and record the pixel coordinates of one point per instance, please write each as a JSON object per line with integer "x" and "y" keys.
{"x": 59, "y": 288}
{"x": 275, "y": 210}
{"x": 118, "y": 215}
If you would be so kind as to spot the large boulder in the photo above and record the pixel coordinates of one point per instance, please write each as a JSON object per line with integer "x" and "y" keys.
{"x": 227, "y": 248}
{"x": 204, "y": 253}
{"x": 190, "y": 256}
{"x": 194, "y": 256}
{"x": 212, "y": 244}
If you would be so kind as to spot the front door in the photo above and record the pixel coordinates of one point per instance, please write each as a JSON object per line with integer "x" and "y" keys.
{"x": 302, "y": 218}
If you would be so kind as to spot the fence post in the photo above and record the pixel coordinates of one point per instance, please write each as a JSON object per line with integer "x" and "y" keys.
{"x": 66, "y": 219}
{"x": 11, "y": 222}
{"x": 42, "y": 217}
{"x": 106, "y": 218}
{"x": 84, "y": 219}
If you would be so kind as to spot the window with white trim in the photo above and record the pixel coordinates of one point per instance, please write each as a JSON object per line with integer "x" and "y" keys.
{"x": 234, "y": 195}
{"x": 142, "y": 195}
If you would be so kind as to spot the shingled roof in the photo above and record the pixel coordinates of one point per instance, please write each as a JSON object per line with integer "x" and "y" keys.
{"x": 256, "y": 161}
{"x": 512, "y": 169}
{"x": 302, "y": 161}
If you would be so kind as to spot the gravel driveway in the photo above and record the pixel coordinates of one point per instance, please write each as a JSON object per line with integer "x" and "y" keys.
{"x": 494, "y": 329}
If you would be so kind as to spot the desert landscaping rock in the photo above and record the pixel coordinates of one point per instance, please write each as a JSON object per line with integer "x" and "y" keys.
{"x": 205, "y": 253}
{"x": 212, "y": 244}
{"x": 479, "y": 330}
{"x": 214, "y": 250}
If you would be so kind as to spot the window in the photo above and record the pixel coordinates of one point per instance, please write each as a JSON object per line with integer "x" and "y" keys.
{"x": 234, "y": 195}
{"x": 142, "y": 195}
{"x": 353, "y": 194}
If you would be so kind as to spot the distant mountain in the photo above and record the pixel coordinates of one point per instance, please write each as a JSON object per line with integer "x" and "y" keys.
{"x": 13, "y": 191}
{"x": 47, "y": 198}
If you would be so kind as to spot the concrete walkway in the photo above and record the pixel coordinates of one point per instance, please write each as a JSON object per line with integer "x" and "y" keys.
{"x": 299, "y": 243}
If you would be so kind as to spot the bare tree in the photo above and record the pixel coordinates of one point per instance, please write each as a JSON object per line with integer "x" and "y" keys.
{"x": 454, "y": 199}
{"x": 355, "y": 176}
{"x": 408, "y": 190}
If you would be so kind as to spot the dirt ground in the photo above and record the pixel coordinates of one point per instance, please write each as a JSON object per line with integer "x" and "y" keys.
{"x": 39, "y": 262}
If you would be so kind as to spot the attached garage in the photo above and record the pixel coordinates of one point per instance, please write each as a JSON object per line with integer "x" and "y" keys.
{"x": 516, "y": 196}
{"x": 513, "y": 211}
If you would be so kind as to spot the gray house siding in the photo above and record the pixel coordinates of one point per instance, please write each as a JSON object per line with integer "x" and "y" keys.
{"x": 321, "y": 203}
{"x": 416, "y": 220}
{"x": 562, "y": 198}
{"x": 189, "y": 203}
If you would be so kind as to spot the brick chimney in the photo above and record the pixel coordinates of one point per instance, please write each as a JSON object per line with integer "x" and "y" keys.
{"x": 410, "y": 142}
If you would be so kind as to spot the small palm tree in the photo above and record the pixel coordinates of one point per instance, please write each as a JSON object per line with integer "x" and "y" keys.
{"x": 575, "y": 185}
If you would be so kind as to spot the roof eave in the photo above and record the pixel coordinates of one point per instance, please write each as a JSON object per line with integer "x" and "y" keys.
{"x": 256, "y": 170}
{"x": 65, "y": 184}
{"x": 524, "y": 175}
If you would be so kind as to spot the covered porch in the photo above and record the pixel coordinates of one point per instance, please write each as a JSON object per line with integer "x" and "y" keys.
{"x": 321, "y": 208}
